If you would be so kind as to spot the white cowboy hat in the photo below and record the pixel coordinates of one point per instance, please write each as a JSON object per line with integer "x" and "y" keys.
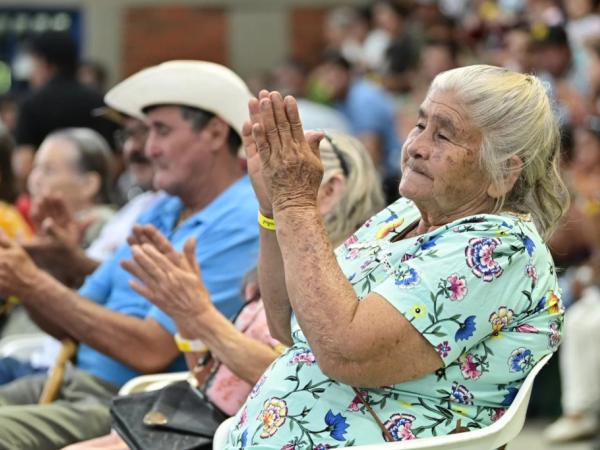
{"x": 200, "y": 84}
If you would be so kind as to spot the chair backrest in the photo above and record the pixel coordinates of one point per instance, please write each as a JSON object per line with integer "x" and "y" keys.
{"x": 489, "y": 438}
{"x": 22, "y": 346}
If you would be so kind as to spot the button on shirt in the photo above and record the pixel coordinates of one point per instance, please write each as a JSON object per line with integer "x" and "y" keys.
{"x": 226, "y": 247}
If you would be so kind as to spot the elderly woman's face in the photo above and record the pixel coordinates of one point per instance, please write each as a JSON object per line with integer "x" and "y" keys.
{"x": 440, "y": 158}
{"x": 55, "y": 172}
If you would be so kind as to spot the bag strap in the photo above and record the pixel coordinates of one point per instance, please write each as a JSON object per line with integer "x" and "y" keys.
{"x": 386, "y": 433}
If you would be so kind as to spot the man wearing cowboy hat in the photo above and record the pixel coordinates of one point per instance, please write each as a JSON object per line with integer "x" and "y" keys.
{"x": 195, "y": 111}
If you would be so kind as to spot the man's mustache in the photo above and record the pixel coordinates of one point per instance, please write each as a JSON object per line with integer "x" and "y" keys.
{"x": 138, "y": 158}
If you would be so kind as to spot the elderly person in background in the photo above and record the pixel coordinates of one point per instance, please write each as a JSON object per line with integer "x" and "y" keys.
{"x": 579, "y": 358}
{"x": 436, "y": 309}
{"x": 348, "y": 195}
{"x": 74, "y": 164}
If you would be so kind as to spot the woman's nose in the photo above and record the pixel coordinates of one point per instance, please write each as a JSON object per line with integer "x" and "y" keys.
{"x": 418, "y": 147}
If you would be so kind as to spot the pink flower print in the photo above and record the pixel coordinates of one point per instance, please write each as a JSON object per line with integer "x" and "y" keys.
{"x": 356, "y": 402}
{"x": 497, "y": 413}
{"x": 554, "y": 338}
{"x": 407, "y": 257}
{"x": 526, "y": 328}
{"x": 352, "y": 254}
{"x": 458, "y": 287}
{"x": 480, "y": 258}
{"x": 399, "y": 426}
{"x": 500, "y": 320}
{"x": 243, "y": 418}
{"x": 443, "y": 349}
{"x": 351, "y": 240}
{"x": 304, "y": 356}
{"x": 531, "y": 272}
{"x": 289, "y": 446}
{"x": 469, "y": 367}
{"x": 256, "y": 389}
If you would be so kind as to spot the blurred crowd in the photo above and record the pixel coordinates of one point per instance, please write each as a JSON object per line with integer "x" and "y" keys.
{"x": 68, "y": 162}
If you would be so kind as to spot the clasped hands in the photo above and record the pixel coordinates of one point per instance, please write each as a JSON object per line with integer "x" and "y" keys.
{"x": 283, "y": 161}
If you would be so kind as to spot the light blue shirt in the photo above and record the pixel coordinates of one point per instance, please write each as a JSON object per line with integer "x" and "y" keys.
{"x": 226, "y": 235}
{"x": 369, "y": 109}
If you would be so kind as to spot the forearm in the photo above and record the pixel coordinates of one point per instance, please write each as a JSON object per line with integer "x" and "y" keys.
{"x": 244, "y": 356}
{"x": 51, "y": 327}
{"x": 271, "y": 279}
{"x": 84, "y": 264}
{"x": 318, "y": 289}
{"x": 125, "y": 338}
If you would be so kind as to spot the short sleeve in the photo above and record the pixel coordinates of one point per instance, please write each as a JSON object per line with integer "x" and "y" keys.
{"x": 451, "y": 290}
{"x": 98, "y": 285}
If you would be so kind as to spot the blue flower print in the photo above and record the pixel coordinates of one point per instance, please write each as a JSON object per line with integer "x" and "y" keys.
{"x": 244, "y": 438}
{"x": 393, "y": 216}
{"x": 520, "y": 360}
{"x": 460, "y": 394}
{"x": 510, "y": 396}
{"x": 480, "y": 258}
{"x": 407, "y": 278}
{"x": 527, "y": 243}
{"x": 466, "y": 329}
{"x": 430, "y": 242}
{"x": 336, "y": 425}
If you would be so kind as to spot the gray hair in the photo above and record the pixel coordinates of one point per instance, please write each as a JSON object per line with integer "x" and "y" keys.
{"x": 363, "y": 197}
{"x": 516, "y": 118}
{"x": 93, "y": 154}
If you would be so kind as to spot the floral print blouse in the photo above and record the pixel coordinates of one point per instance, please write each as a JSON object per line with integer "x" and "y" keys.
{"x": 482, "y": 290}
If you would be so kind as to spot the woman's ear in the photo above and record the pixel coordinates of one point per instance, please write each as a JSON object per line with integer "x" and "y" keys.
{"x": 331, "y": 192}
{"x": 497, "y": 190}
{"x": 90, "y": 186}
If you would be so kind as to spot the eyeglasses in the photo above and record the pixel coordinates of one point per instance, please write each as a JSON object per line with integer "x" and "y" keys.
{"x": 139, "y": 132}
{"x": 339, "y": 155}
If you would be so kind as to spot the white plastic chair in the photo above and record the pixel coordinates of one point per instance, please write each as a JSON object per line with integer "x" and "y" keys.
{"x": 492, "y": 437}
{"x": 22, "y": 346}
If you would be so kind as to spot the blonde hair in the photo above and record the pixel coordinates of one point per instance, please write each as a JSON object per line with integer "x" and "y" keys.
{"x": 362, "y": 197}
{"x": 516, "y": 118}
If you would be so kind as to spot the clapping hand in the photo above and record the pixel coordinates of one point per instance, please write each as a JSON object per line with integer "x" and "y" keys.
{"x": 169, "y": 279}
{"x": 283, "y": 162}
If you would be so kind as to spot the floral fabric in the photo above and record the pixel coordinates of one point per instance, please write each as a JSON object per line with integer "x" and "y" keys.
{"x": 482, "y": 290}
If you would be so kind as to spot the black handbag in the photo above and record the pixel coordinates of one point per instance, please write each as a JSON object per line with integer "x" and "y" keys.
{"x": 177, "y": 417}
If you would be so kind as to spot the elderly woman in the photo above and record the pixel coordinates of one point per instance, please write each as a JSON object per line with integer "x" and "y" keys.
{"x": 347, "y": 196}
{"x": 434, "y": 311}
{"x": 75, "y": 164}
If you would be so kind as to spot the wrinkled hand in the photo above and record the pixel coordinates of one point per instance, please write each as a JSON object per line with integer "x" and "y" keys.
{"x": 253, "y": 158}
{"x": 290, "y": 165}
{"x": 17, "y": 270}
{"x": 169, "y": 279}
{"x": 55, "y": 223}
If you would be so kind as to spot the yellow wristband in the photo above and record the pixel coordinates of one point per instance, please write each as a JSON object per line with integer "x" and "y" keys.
{"x": 190, "y": 345}
{"x": 266, "y": 222}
